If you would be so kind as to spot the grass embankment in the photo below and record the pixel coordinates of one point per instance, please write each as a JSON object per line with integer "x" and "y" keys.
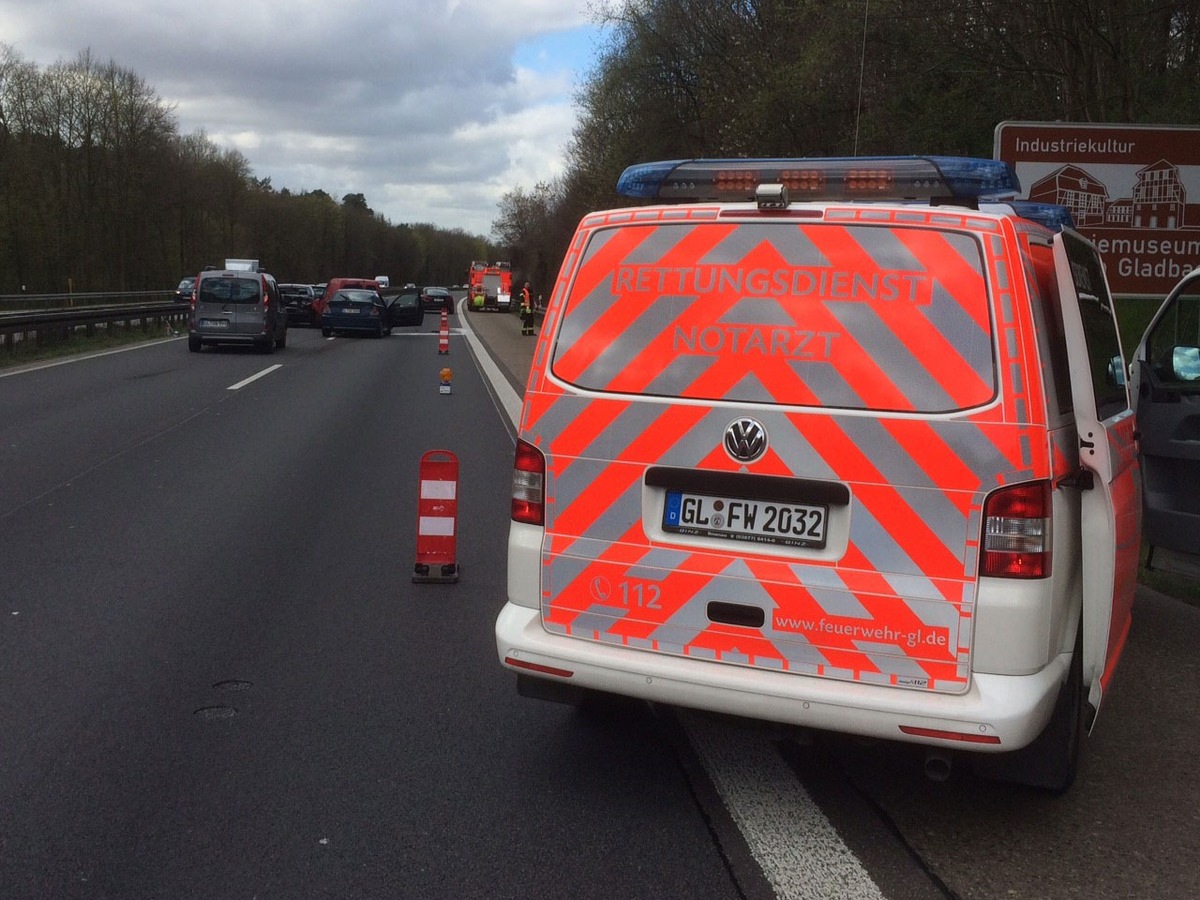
{"x": 28, "y": 351}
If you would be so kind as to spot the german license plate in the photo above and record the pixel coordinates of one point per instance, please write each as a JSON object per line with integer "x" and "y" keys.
{"x": 754, "y": 521}
{"x": 348, "y": 311}
{"x": 214, "y": 323}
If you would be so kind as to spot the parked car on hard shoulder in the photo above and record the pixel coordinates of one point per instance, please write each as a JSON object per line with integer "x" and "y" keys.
{"x": 298, "y": 301}
{"x": 435, "y": 299}
{"x": 183, "y": 293}
{"x": 237, "y": 306}
{"x": 337, "y": 284}
{"x": 356, "y": 310}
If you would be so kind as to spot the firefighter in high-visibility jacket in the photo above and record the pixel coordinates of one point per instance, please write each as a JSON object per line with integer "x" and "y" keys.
{"x": 527, "y": 310}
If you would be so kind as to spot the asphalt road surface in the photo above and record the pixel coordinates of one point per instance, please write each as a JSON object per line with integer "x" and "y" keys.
{"x": 218, "y": 680}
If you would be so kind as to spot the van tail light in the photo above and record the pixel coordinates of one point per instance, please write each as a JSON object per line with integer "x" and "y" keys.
{"x": 529, "y": 485}
{"x": 1016, "y": 532}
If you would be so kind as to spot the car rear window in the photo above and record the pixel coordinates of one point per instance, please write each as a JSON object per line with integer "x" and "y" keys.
{"x": 813, "y": 314}
{"x": 224, "y": 289}
{"x": 353, "y": 297}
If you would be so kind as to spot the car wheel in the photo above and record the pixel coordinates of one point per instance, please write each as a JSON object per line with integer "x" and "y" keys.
{"x": 269, "y": 346}
{"x": 282, "y": 342}
{"x": 379, "y": 330}
{"x": 1052, "y": 760}
{"x": 326, "y": 332}
{"x": 194, "y": 344}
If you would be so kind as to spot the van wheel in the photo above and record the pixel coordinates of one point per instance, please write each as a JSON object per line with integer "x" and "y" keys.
{"x": 1052, "y": 760}
{"x": 268, "y": 347}
{"x": 282, "y": 342}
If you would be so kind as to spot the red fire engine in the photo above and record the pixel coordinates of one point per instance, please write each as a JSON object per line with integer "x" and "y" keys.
{"x": 490, "y": 286}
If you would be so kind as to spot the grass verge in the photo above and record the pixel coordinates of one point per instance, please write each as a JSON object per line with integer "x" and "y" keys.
{"x": 26, "y": 352}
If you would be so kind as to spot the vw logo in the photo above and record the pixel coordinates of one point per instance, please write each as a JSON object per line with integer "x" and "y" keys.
{"x": 745, "y": 440}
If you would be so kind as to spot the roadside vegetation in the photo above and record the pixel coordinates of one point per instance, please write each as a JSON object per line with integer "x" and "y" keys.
{"x": 712, "y": 78}
{"x": 100, "y": 192}
{"x": 31, "y": 351}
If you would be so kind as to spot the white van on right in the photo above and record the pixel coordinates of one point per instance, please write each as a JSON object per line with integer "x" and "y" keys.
{"x": 839, "y": 443}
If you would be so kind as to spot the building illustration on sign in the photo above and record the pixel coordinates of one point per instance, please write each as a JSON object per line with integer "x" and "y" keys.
{"x": 1127, "y": 188}
{"x": 1159, "y": 198}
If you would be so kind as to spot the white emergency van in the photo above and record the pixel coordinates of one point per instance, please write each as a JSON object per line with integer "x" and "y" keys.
{"x": 842, "y": 443}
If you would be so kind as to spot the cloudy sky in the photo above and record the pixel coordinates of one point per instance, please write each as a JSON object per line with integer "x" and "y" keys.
{"x": 432, "y": 109}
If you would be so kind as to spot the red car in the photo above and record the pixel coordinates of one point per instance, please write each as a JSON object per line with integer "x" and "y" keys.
{"x": 335, "y": 285}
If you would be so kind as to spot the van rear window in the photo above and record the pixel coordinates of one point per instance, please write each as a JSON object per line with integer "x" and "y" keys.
{"x": 230, "y": 290}
{"x": 812, "y": 314}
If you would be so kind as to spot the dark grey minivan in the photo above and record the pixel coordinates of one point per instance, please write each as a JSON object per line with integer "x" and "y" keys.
{"x": 235, "y": 306}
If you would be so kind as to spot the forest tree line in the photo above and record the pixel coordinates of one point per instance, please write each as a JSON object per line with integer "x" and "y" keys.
{"x": 727, "y": 78}
{"x": 100, "y": 192}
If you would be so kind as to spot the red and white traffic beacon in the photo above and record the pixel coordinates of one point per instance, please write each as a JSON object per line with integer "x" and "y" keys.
{"x": 437, "y": 519}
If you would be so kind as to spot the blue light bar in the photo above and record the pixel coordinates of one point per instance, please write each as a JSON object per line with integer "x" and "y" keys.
{"x": 1053, "y": 216}
{"x": 947, "y": 178}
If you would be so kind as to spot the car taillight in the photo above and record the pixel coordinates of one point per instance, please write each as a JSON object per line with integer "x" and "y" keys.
{"x": 529, "y": 485}
{"x": 1016, "y": 532}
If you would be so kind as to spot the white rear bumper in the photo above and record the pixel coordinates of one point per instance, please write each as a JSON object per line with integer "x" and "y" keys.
{"x": 1012, "y": 708}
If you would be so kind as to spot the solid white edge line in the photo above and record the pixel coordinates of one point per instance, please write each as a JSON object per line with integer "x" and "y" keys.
{"x": 800, "y": 852}
{"x": 38, "y": 366}
{"x": 241, "y": 384}
{"x": 510, "y": 401}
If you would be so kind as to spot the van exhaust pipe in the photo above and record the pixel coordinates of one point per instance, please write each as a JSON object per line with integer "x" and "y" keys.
{"x": 937, "y": 765}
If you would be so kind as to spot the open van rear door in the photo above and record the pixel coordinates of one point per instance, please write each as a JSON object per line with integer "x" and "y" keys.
{"x": 1166, "y": 396}
{"x": 1110, "y": 503}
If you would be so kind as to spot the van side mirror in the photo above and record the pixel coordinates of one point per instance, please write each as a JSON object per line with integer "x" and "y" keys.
{"x": 1185, "y": 363}
{"x": 1116, "y": 372}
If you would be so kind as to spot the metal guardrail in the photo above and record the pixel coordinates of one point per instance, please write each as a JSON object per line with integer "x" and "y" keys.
{"x": 31, "y": 302}
{"x": 16, "y": 326}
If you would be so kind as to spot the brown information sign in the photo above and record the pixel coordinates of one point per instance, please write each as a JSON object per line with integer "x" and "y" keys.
{"x": 1134, "y": 190}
